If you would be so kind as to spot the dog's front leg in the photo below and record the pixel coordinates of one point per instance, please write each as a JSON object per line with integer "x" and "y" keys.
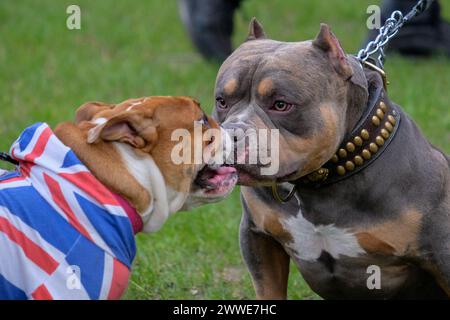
{"x": 266, "y": 260}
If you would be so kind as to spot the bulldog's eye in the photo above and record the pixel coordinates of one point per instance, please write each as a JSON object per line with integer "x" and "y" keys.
{"x": 281, "y": 106}
{"x": 220, "y": 103}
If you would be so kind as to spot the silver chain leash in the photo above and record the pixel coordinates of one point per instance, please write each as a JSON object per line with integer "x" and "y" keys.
{"x": 389, "y": 30}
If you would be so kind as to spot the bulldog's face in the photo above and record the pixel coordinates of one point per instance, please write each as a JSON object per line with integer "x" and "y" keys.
{"x": 164, "y": 143}
{"x": 300, "y": 89}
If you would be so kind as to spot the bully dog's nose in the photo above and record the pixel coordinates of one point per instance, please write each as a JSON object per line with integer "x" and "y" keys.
{"x": 240, "y": 136}
{"x": 237, "y": 131}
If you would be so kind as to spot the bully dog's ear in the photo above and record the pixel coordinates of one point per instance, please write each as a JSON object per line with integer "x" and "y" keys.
{"x": 327, "y": 42}
{"x": 358, "y": 78}
{"x": 88, "y": 110}
{"x": 133, "y": 127}
{"x": 255, "y": 31}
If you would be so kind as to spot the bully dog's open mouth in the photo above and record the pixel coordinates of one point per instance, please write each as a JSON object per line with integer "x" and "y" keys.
{"x": 216, "y": 181}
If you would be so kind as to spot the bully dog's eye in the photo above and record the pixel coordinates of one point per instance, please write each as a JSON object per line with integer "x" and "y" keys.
{"x": 281, "y": 106}
{"x": 221, "y": 103}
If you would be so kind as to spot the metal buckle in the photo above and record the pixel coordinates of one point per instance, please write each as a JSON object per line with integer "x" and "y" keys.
{"x": 380, "y": 71}
{"x": 277, "y": 196}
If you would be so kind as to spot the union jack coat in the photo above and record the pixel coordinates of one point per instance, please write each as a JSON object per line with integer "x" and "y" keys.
{"x": 63, "y": 234}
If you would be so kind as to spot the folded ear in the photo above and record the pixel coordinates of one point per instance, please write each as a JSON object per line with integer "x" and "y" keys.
{"x": 255, "y": 30}
{"x": 129, "y": 127}
{"x": 328, "y": 42}
{"x": 88, "y": 110}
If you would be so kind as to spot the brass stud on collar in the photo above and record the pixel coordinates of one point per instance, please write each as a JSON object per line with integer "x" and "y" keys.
{"x": 342, "y": 153}
{"x": 358, "y": 141}
{"x": 376, "y": 121}
{"x": 334, "y": 158}
{"x": 384, "y": 133}
{"x": 373, "y": 147}
{"x": 379, "y": 141}
{"x": 319, "y": 175}
{"x": 358, "y": 160}
{"x": 392, "y": 120}
{"x": 389, "y": 126}
{"x": 380, "y": 113}
{"x": 366, "y": 154}
{"x": 365, "y": 134}
{"x": 383, "y": 106}
{"x": 340, "y": 170}
{"x": 350, "y": 147}
{"x": 350, "y": 166}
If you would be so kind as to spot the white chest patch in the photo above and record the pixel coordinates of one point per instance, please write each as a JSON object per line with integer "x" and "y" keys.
{"x": 310, "y": 240}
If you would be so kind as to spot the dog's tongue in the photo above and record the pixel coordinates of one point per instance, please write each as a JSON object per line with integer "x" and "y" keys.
{"x": 221, "y": 174}
{"x": 215, "y": 178}
{"x": 225, "y": 170}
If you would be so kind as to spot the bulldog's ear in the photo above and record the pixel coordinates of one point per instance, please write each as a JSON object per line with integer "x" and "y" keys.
{"x": 128, "y": 127}
{"x": 255, "y": 31}
{"x": 87, "y": 111}
{"x": 328, "y": 42}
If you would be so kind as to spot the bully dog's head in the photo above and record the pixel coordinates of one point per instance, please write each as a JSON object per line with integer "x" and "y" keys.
{"x": 309, "y": 91}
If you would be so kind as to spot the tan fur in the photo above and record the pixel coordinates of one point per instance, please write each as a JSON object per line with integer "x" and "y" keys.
{"x": 323, "y": 145}
{"x": 274, "y": 272}
{"x": 398, "y": 236}
{"x": 265, "y": 87}
{"x": 265, "y": 218}
{"x": 374, "y": 245}
{"x": 315, "y": 150}
{"x": 230, "y": 87}
{"x": 106, "y": 165}
{"x": 88, "y": 110}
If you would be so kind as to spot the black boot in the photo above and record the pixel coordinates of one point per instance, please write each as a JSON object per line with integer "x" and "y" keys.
{"x": 210, "y": 25}
{"x": 423, "y": 35}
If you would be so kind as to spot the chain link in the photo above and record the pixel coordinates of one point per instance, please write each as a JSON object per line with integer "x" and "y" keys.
{"x": 389, "y": 30}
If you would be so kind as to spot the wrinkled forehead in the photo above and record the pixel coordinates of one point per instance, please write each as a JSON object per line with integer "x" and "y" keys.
{"x": 185, "y": 105}
{"x": 255, "y": 59}
{"x": 164, "y": 107}
{"x": 176, "y": 112}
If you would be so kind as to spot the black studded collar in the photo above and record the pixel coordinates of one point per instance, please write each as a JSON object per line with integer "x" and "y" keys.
{"x": 367, "y": 141}
{"x": 365, "y": 144}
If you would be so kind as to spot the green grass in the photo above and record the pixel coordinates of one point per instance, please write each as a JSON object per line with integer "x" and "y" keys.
{"x": 131, "y": 49}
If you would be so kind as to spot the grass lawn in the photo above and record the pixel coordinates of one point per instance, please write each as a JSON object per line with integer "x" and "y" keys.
{"x": 137, "y": 48}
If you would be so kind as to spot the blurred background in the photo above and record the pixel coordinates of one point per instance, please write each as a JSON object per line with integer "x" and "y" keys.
{"x": 138, "y": 48}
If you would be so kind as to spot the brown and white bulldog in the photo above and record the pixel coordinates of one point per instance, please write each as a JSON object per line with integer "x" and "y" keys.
{"x": 70, "y": 210}
{"x": 128, "y": 147}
